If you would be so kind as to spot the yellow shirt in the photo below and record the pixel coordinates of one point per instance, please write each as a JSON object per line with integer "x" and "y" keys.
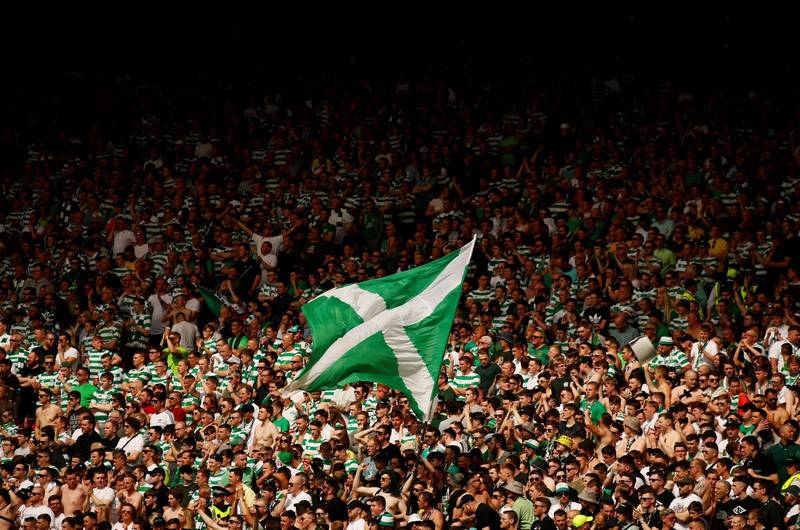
{"x": 718, "y": 248}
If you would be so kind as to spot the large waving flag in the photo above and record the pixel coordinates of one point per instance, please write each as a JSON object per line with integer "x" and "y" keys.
{"x": 391, "y": 330}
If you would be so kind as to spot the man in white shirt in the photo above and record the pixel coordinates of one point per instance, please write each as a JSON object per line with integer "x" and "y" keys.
{"x": 704, "y": 351}
{"x": 355, "y": 512}
{"x": 158, "y": 301}
{"x": 132, "y": 443}
{"x": 102, "y": 498}
{"x": 161, "y": 417}
{"x": 35, "y": 506}
{"x": 121, "y": 236}
{"x": 296, "y": 492}
{"x": 339, "y": 218}
{"x": 680, "y": 504}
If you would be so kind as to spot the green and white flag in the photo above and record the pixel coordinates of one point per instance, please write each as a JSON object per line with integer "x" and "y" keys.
{"x": 391, "y": 330}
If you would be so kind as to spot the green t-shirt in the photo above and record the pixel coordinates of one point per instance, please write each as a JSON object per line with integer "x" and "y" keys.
{"x": 87, "y": 390}
{"x": 282, "y": 424}
{"x": 596, "y": 410}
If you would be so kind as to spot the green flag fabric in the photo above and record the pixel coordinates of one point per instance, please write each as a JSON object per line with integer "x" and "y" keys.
{"x": 391, "y": 330}
{"x": 211, "y": 299}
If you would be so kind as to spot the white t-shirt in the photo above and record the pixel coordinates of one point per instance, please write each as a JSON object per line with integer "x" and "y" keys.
{"x": 162, "y": 419}
{"x": 71, "y": 353}
{"x": 30, "y": 511}
{"x": 156, "y": 325}
{"x": 188, "y": 333}
{"x": 358, "y": 524}
{"x": 698, "y": 359}
{"x": 130, "y": 445}
{"x": 292, "y": 500}
{"x": 340, "y": 219}
{"x": 141, "y": 251}
{"x": 122, "y": 240}
{"x": 193, "y": 304}
{"x": 680, "y": 504}
{"x": 106, "y": 494}
{"x": 275, "y": 241}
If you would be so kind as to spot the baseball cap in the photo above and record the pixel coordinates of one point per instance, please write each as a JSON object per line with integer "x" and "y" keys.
{"x": 562, "y": 487}
{"x": 580, "y": 520}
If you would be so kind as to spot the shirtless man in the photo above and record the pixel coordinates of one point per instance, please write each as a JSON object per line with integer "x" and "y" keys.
{"x": 776, "y": 414}
{"x": 394, "y": 503}
{"x": 9, "y": 503}
{"x": 174, "y": 510}
{"x": 73, "y": 494}
{"x": 129, "y": 494}
{"x": 265, "y": 433}
{"x": 47, "y": 412}
{"x": 667, "y": 435}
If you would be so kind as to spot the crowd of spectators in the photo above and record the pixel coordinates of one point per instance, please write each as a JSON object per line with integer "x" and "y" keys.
{"x": 154, "y": 266}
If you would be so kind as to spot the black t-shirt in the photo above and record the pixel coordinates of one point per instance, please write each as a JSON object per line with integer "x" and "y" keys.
{"x": 665, "y": 498}
{"x": 761, "y": 464}
{"x": 390, "y": 451}
{"x": 559, "y": 384}
{"x": 772, "y": 515}
{"x": 337, "y": 509}
{"x": 486, "y": 516}
{"x": 741, "y": 506}
{"x": 575, "y": 431}
{"x": 248, "y": 269}
{"x": 595, "y": 314}
{"x": 545, "y": 523}
{"x": 487, "y": 375}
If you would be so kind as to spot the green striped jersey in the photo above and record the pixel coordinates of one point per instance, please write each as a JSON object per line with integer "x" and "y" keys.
{"x": 220, "y": 478}
{"x": 64, "y": 397}
{"x": 18, "y": 359}
{"x": 481, "y": 295}
{"x": 11, "y": 428}
{"x": 463, "y": 381}
{"x": 311, "y": 446}
{"x": 239, "y": 435}
{"x": 678, "y": 323}
{"x": 48, "y": 380}
{"x": 118, "y": 375}
{"x": 102, "y": 397}
{"x": 156, "y": 379}
{"x": 94, "y": 360}
{"x": 286, "y": 356}
{"x": 675, "y": 359}
{"x": 138, "y": 374}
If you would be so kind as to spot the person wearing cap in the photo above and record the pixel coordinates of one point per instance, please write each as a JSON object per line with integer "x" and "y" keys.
{"x": 581, "y": 522}
{"x": 793, "y": 470}
{"x": 562, "y": 500}
{"x": 355, "y": 514}
{"x": 680, "y": 504}
{"x": 219, "y": 508}
{"x": 521, "y": 505}
{"x": 668, "y": 355}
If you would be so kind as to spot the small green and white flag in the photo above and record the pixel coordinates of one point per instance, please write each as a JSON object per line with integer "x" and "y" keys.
{"x": 390, "y": 330}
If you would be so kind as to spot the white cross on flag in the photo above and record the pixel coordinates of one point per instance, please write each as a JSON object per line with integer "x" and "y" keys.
{"x": 391, "y": 330}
